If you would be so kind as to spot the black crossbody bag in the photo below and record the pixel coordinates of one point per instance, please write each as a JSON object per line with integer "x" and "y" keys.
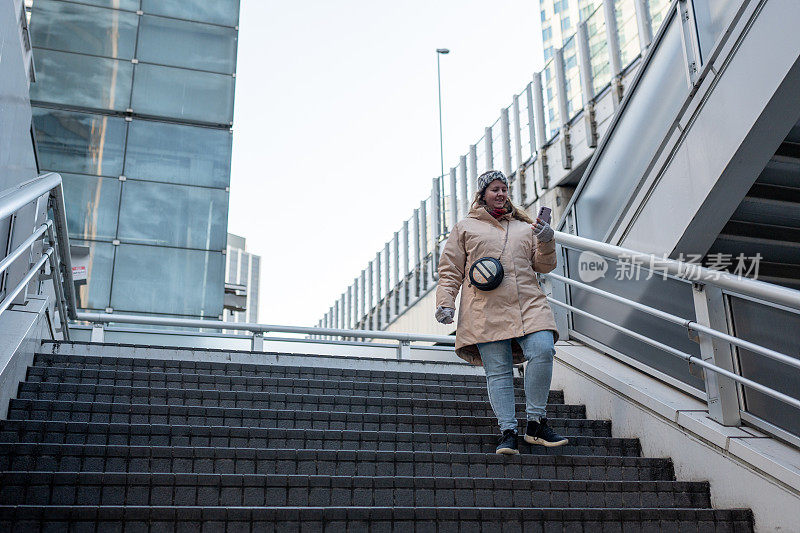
{"x": 487, "y": 273}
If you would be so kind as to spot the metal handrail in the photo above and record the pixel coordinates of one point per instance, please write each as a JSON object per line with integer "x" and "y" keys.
{"x": 678, "y": 269}
{"x": 57, "y": 254}
{"x": 688, "y": 324}
{"x": 104, "y": 318}
{"x": 683, "y": 355}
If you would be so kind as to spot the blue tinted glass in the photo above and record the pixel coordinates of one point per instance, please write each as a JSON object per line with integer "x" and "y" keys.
{"x": 185, "y": 94}
{"x": 81, "y": 80}
{"x": 98, "y": 264}
{"x": 174, "y": 153}
{"x": 225, "y": 12}
{"x": 92, "y": 205}
{"x": 79, "y": 142}
{"x": 129, "y": 5}
{"x": 187, "y": 44}
{"x": 173, "y": 215}
{"x": 85, "y": 29}
{"x": 152, "y": 279}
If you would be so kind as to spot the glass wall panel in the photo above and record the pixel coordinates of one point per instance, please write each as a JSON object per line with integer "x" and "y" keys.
{"x": 83, "y": 143}
{"x": 189, "y": 155}
{"x": 83, "y": 29}
{"x": 572, "y": 77}
{"x": 652, "y": 107}
{"x": 658, "y": 12}
{"x": 598, "y": 51}
{"x": 187, "y": 44}
{"x": 152, "y": 279}
{"x": 129, "y": 5}
{"x": 670, "y": 295}
{"x": 768, "y": 327}
{"x": 225, "y": 12}
{"x": 92, "y": 206}
{"x": 173, "y": 215}
{"x": 713, "y": 18}
{"x": 628, "y": 31}
{"x": 95, "y": 294}
{"x": 184, "y": 94}
{"x": 81, "y": 80}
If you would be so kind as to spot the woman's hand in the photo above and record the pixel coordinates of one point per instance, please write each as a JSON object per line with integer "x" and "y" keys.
{"x": 445, "y": 314}
{"x": 543, "y": 231}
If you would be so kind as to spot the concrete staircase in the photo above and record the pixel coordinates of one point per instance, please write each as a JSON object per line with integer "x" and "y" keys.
{"x": 120, "y": 443}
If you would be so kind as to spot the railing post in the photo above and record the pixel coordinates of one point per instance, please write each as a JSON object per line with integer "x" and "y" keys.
{"x": 690, "y": 41}
{"x": 416, "y": 266}
{"x": 463, "y": 191}
{"x": 436, "y": 230}
{"x": 587, "y": 84}
{"x": 362, "y": 315}
{"x": 257, "y": 343}
{"x": 408, "y": 281}
{"x": 371, "y": 295}
{"x": 403, "y": 350}
{"x": 423, "y": 243}
{"x": 487, "y": 141}
{"x": 722, "y": 392}
{"x": 386, "y": 284}
{"x": 98, "y": 333}
{"x": 453, "y": 198}
{"x": 644, "y": 24}
{"x": 473, "y": 171}
{"x": 350, "y": 306}
{"x": 532, "y": 132}
{"x": 518, "y": 188}
{"x": 615, "y": 60}
{"x": 505, "y": 141}
{"x": 398, "y": 284}
{"x": 563, "y": 113}
{"x": 541, "y": 136}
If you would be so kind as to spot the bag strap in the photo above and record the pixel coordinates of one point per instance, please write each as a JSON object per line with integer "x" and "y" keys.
{"x": 506, "y": 241}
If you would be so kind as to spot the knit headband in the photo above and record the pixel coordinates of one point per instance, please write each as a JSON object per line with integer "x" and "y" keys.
{"x": 489, "y": 176}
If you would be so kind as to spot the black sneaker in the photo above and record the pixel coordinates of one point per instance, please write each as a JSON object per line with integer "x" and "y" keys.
{"x": 541, "y": 433}
{"x": 508, "y": 443}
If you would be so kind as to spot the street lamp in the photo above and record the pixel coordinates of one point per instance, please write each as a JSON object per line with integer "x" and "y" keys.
{"x": 439, "y": 52}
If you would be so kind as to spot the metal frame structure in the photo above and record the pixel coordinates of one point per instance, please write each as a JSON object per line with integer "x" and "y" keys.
{"x": 25, "y": 263}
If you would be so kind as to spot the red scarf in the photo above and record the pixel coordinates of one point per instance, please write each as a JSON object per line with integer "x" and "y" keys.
{"x": 497, "y": 213}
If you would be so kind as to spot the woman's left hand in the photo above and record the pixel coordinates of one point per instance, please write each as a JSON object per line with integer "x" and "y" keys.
{"x": 543, "y": 231}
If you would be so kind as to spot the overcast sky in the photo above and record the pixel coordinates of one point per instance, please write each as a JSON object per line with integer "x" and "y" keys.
{"x": 336, "y": 132}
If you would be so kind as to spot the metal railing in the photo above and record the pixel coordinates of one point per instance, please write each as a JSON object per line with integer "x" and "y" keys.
{"x": 26, "y": 206}
{"x": 710, "y": 329}
{"x": 537, "y": 142}
{"x": 404, "y": 340}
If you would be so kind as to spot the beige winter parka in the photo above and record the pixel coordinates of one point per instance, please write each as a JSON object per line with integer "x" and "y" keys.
{"x": 515, "y": 308}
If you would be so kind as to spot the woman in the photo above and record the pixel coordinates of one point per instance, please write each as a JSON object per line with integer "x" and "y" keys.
{"x": 511, "y": 323}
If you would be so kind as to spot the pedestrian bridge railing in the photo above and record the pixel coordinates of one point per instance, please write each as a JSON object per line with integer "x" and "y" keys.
{"x": 29, "y": 253}
{"x": 693, "y": 327}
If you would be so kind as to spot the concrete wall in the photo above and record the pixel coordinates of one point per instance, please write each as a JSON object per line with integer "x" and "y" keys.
{"x": 745, "y": 468}
{"x": 17, "y": 161}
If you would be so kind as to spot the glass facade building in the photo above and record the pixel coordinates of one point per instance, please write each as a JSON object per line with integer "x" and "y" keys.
{"x": 243, "y": 268}
{"x": 133, "y": 106}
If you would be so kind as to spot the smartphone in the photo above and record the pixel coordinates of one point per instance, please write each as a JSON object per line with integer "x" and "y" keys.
{"x": 544, "y": 214}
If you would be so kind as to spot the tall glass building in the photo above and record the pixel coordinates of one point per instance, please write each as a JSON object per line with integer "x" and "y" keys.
{"x": 133, "y": 105}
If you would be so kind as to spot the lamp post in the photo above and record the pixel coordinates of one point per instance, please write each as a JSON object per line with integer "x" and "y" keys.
{"x": 439, "y": 52}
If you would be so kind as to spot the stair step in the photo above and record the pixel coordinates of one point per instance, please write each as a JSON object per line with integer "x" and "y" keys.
{"x": 178, "y": 459}
{"x": 277, "y": 490}
{"x": 118, "y": 413}
{"x": 373, "y": 519}
{"x": 173, "y": 380}
{"x": 31, "y": 431}
{"x": 256, "y": 400}
{"x": 256, "y": 370}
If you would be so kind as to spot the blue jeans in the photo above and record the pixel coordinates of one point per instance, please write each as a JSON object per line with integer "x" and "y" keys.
{"x": 538, "y": 350}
